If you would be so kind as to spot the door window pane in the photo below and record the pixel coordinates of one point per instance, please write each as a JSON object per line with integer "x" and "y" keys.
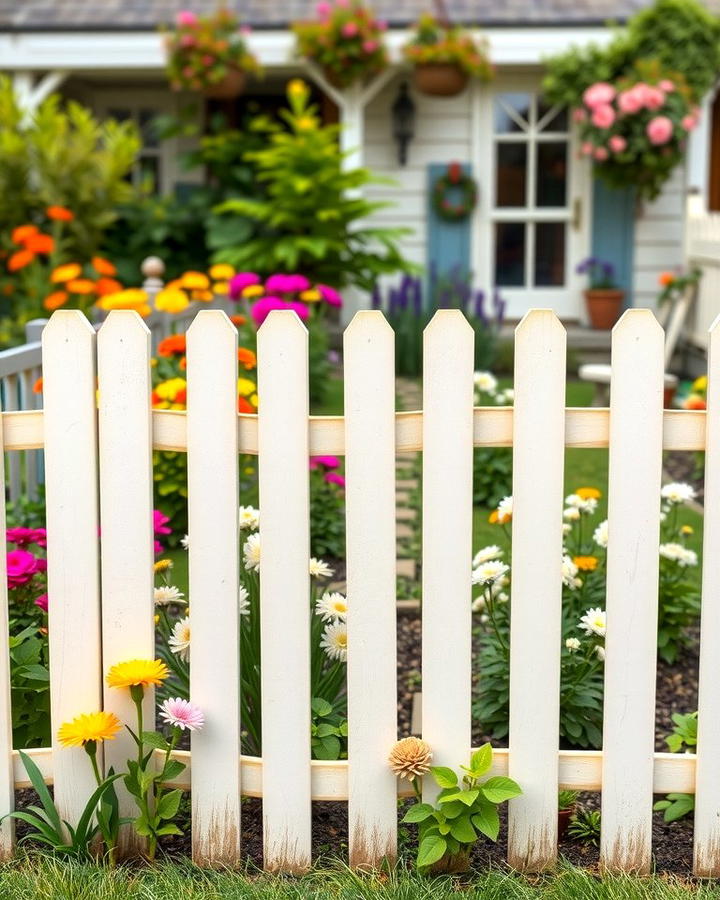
{"x": 551, "y": 173}
{"x": 511, "y": 174}
{"x": 549, "y": 254}
{"x": 509, "y": 254}
{"x": 512, "y": 111}
{"x": 552, "y": 118}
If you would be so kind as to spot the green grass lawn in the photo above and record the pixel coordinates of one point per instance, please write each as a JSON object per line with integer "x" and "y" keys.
{"x": 44, "y": 878}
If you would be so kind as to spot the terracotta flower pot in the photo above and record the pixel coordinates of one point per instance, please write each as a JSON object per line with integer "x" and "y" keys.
{"x": 603, "y": 306}
{"x": 440, "y": 79}
{"x": 230, "y": 87}
{"x": 564, "y": 816}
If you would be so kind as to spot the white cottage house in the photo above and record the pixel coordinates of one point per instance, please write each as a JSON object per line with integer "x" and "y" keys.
{"x": 540, "y": 211}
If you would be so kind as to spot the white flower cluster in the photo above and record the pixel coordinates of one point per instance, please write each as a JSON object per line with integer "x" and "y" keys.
{"x": 679, "y": 553}
{"x": 486, "y": 384}
{"x": 249, "y": 518}
{"x": 600, "y": 535}
{"x": 570, "y": 573}
{"x": 576, "y": 506}
{"x": 489, "y": 572}
{"x": 677, "y": 492}
{"x": 167, "y": 594}
{"x": 594, "y": 622}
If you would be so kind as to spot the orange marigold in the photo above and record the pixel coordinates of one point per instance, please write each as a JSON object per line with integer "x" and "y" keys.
{"x": 65, "y": 273}
{"x": 60, "y": 213}
{"x": 238, "y": 320}
{"x": 40, "y": 243}
{"x": 20, "y": 234}
{"x": 20, "y": 259}
{"x": 105, "y": 286}
{"x": 103, "y": 266}
{"x": 172, "y": 345}
{"x": 38, "y": 386}
{"x": 244, "y": 406}
{"x": 81, "y": 286}
{"x": 55, "y": 300}
{"x": 666, "y": 279}
{"x": 247, "y": 358}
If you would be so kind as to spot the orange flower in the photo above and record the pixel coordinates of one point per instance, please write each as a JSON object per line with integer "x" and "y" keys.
{"x": 65, "y": 273}
{"x": 694, "y": 401}
{"x": 105, "y": 286}
{"x": 81, "y": 286}
{"x": 172, "y": 345}
{"x": 666, "y": 279}
{"x": 244, "y": 406}
{"x": 60, "y": 213}
{"x": 22, "y": 233}
{"x": 247, "y": 358}
{"x": 183, "y": 364}
{"x": 55, "y": 300}
{"x": 40, "y": 243}
{"x": 38, "y": 386}
{"x": 20, "y": 259}
{"x": 103, "y": 266}
{"x": 202, "y": 296}
{"x": 238, "y": 320}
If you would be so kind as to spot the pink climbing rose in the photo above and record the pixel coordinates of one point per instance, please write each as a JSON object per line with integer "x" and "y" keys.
{"x": 659, "y": 130}
{"x": 599, "y": 93}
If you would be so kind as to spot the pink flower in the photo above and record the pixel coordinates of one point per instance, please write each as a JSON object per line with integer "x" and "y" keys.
{"x": 381, "y": 24}
{"x": 579, "y": 115}
{"x": 330, "y": 295}
{"x": 260, "y": 310}
{"x": 187, "y": 40}
{"x": 21, "y": 566}
{"x": 182, "y": 714}
{"x": 239, "y": 282}
{"x": 600, "y": 154}
{"x": 185, "y": 17}
{"x": 688, "y": 123}
{"x": 602, "y": 116}
{"x": 617, "y": 143}
{"x": 342, "y": 4}
{"x": 586, "y": 149}
{"x": 654, "y": 97}
{"x": 41, "y": 564}
{"x": 323, "y": 9}
{"x": 599, "y": 93}
{"x": 286, "y": 284}
{"x": 370, "y": 46}
{"x": 157, "y": 547}
{"x": 160, "y": 523}
{"x": 335, "y": 478}
{"x": 659, "y": 130}
{"x": 42, "y": 602}
{"x": 23, "y": 536}
{"x": 349, "y": 30}
{"x": 630, "y": 101}
{"x": 300, "y": 308}
{"x": 327, "y": 462}
{"x": 667, "y": 85}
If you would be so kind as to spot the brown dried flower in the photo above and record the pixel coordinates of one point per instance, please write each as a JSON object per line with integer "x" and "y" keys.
{"x": 410, "y": 757}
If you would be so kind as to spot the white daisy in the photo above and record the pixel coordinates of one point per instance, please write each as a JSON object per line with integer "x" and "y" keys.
{"x": 185, "y": 542}
{"x": 489, "y": 572}
{"x": 569, "y": 573}
{"x": 586, "y": 505}
{"x": 506, "y": 397}
{"x": 485, "y": 382}
{"x": 492, "y": 551}
{"x": 179, "y": 640}
{"x": 168, "y": 593}
{"x": 331, "y": 607}
{"x": 319, "y": 568}
{"x": 572, "y": 644}
{"x": 251, "y": 552}
{"x": 249, "y": 518}
{"x": 334, "y": 641}
{"x": 567, "y": 528}
{"x": 594, "y": 621}
{"x": 505, "y": 509}
{"x": 600, "y": 535}
{"x": 679, "y": 553}
{"x": 243, "y": 601}
{"x": 478, "y": 604}
{"x": 600, "y": 653}
{"x": 677, "y": 492}
{"x": 571, "y": 514}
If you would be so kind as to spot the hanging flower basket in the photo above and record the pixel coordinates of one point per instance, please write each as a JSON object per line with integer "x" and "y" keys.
{"x": 231, "y": 86}
{"x": 440, "y": 79}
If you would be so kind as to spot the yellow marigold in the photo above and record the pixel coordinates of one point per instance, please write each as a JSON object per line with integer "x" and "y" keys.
{"x": 97, "y": 726}
{"x": 687, "y": 529}
{"x": 586, "y": 563}
{"x": 132, "y": 298}
{"x": 144, "y": 672}
{"x": 172, "y": 300}
{"x": 195, "y": 281}
{"x": 168, "y": 390}
{"x": 252, "y": 290}
{"x": 311, "y": 296}
{"x": 221, "y": 287}
{"x": 588, "y": 493}
{"x": 246, "y": 387}
{"x": 162, "y": 565}
{"x": 700, "y": 384}
{"x": 305, "y": 123}
{"x": 203, "y": 296}
{"x": 297, "y": 87}
{"x": 221, "y": 272}
{"x": 80, "y": 286}
{"x": 65, "y": 273}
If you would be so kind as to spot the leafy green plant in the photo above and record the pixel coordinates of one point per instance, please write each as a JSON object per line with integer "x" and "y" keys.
{"x": 465, "y": 809}
{"x": 30, "y": 688}
{"x": 170, "y": 480}
{"x": 327, "y": 511}
{"x": 440, "y": 43}
{"x": 567, "y": 799}
{"x": 585, "y": 827}
{"x": 683, "y": 738}
{"x": 328, "y": 731}
{"x": 310, "y": 219}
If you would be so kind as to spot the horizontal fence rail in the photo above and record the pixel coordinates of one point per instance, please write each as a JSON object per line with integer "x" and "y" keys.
{"x": 102, "y": 441}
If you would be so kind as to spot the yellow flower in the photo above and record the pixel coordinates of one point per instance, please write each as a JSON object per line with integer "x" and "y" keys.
{"x": 195, "y": 281}
{"x": 297, "y": 87}
{"x": 157, "y": 619}
{"x": 144, "y": 672}
{"x": 203, "y": 296}
{"x": 246, "y": 387}
{"x": 132, "y": 298}
{"x": 305, "y": 123}
{"x": 162, "y": 565}
{"x": 221, "y": 287}
{"x": 65, "y": 273}
{"x": 586, "y": 563}
{"x": 687, "y": 529}
{"x": 168, "y": 390}
{"x": 97, "y": 726}
{"x": 253, "y": 290}
{"x": 172, "y": 300}
{"x": 311, "y": 296}
{"x": 221, "y": 272}
{"x": 588, "y": 493}
{"x": 700, "y": 384}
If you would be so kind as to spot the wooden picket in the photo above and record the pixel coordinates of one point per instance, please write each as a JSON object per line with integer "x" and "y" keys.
{"x": 371, "y": 668}
{"x": 212, "y": 368}
{"x": 447, "y": 539}
{"x": 126, "y": 504}
{"x": 536, "y": 611}
{"x": 284, "y": 591}
{"x": 71, "y": 478}
{"x": 635, "y": 468}
{"x": 707, "y": 777}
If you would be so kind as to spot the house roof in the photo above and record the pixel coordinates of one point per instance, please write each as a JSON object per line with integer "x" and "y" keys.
{"x": 71, "y": 15}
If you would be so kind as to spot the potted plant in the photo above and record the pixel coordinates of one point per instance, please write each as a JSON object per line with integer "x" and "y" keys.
{"x": 603, "y": 298}
{"x": 346, "y": 41}
{"x": 567, "y": 805}
{"x": 444, "y": 57}
{"x": 209, "y": 54}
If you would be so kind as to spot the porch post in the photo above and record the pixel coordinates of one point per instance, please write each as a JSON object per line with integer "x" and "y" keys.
{"x": 699, "y": 150}
{"x": 30, "y": 94}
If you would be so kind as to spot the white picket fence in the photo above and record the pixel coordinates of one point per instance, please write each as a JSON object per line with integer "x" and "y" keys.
{"x": 702, "y": 237}
{"x": 101, "y": 607}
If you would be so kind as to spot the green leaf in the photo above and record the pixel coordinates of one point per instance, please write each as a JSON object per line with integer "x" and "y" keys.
{"x": 168, "y": 829}
{"x": 461, "y": 829}
{"x": 481, "y": 760}
{"x": 431, "y": 849}
{"x": 169, "y": 804}
{"x": 154, "y": 740}
{"x": 418, "y": 813}
{"x": 444, "y": 777}
{"x": 487, "y": 820}
{"x": 171, "y": 771}
{"x": 321, "y": 707}
{"x": 38, "y": 782}
{"x": 500, "y": 788}
{"x": 468, "y": 797}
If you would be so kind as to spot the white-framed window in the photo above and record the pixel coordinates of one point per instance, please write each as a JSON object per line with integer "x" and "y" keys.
{"x": 148, "y": 169}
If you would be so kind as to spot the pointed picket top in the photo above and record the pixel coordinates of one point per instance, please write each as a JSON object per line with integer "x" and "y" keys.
{"x": 371, "y": 321}
{"x": 638, "y": 322}
{"x": 70, "y": 322}
{"x": 125, "y": 319}
{"x": 450, "y": 320}
{"x": 280, "y": 321}
{"x": 215, "y": 319}
{"x": 534, "y": 319}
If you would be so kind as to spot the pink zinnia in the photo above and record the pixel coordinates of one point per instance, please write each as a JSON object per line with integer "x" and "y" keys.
{"x": 42, "y": 602}
{"x": 617, "y": 143}
{"x": 369, "y": 46}
{"x": 22, "y": 536}
{"x": 286, "y": 284}
{"x": 160, "y": 521}
{"x": 600, "y": 154}
{"x": 335, "y": 478}
{"x": 602, "y": 116}
{"x": 659, "y": 130}
{"x": 262, "y": 309}
{"x": 330, "y": 295}
{"x": 323, "y": 9}
{"x": 327, "y": 462}
{"x": 239, "y": 282}
{"x": 600, "y": 93}
{"x": 185, "y": 17}
{"x": 182, "y": 714}
{"x": 21, "y": 566}
{"x": 349, "y": 30}
{"x": 300, "y": 308}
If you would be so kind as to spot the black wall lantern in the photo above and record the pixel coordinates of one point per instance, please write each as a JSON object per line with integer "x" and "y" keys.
{"x": 403, "y": 121}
